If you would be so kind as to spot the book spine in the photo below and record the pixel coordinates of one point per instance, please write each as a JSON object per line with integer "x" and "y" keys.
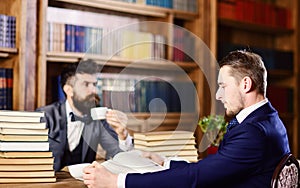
{"x": 3, "y": 89}
{"x": 9, "y": 89}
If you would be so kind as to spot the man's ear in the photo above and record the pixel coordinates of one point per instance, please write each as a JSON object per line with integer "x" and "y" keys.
{"x": 68, "y": 90}
{"x": 246, "y": 84}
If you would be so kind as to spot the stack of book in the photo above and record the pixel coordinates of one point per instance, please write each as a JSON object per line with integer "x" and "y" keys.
{"x": 24, "y": 148}
{"x": 168, "y": 143}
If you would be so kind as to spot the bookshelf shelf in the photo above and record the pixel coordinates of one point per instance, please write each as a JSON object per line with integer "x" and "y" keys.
{"x": 4, "y": 55}
{"x": 51, "y": 62}
{"x": 8, "y": 50}
{"x": 133, "y": 8}
{"x": 260, "y": 28}
{"x": 72, "y": 57}
{"x": 169, "y": 115}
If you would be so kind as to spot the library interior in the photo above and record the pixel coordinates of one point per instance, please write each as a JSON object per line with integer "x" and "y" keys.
{"x": 158, "y": 64}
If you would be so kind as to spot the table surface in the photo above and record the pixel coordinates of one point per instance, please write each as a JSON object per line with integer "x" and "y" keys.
{"x": 63, "y": 180}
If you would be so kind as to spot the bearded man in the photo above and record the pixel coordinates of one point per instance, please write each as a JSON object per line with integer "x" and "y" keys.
{"x": 73, "y": 135}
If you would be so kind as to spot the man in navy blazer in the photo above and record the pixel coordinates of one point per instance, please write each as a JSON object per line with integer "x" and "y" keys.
{"x": 252, "y": 147}
{"x": 73, "y": 135}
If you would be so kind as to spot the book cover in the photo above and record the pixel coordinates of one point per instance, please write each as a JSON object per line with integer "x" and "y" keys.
{"x": 27, "y": 119}
{"x": 26, "y": 167}
{"x": 28, "y": 180}
{"x": 23, "y": 125}
{"x": 24, "y": 146}
{"x": 16, "y": 113}
{"x": 21, "y": 131}
{"x": 165, "y": 148}
{"x": 164, "y": 135}
{"x": 43, "y": 160}
{"x": 23, "y": 138}
{"x": 25, "y": 154}
{"x": 26, "y": 174}
{"x": 180, "y": 153}
{"x": 164, "y": 142}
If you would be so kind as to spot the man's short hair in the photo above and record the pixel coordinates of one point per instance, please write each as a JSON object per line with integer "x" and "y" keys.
{"x": 83, "y": 67}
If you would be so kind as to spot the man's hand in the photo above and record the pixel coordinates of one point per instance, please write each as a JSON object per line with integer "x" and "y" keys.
{"x": 118, "y": 121}
{"x": 154, "y": 157}
{"x": 97, "y": 176}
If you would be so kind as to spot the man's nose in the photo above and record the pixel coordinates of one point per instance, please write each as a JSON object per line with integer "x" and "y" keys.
{"x": 92, "y": 88}
{"x": 218, "y": 95}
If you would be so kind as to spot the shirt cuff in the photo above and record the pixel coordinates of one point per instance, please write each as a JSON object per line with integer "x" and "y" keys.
{"x": 121, "y": 180}
{"x": 126, "y": 144}
{"x": 167, "y": 161}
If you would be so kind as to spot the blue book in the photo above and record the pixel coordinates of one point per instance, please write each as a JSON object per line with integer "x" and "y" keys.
{"x": 9, "y": 89}
{"x": 175, "y": 103}
{"x": 68, "y": 37}
{"x": 60, "y": 93}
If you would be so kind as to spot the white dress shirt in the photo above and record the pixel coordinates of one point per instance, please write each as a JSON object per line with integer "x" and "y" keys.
{"x": 75, "y": 128}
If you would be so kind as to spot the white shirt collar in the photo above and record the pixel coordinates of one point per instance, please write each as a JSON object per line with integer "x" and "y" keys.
{"x": 68, "y": 108}
{"x": 245, "y": 112}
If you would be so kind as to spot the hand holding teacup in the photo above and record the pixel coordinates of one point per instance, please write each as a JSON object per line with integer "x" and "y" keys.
{"x": 116, "y": 119}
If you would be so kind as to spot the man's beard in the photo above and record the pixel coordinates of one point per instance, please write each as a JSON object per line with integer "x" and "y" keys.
{"x": 86, "y": 104}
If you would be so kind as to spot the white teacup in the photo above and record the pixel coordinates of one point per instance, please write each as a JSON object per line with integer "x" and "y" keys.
{"x": 99, "y": 113}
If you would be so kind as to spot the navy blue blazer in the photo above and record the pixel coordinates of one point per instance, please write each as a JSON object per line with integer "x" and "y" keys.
{"x": 246, "y": 158}
{"x": 94, "y": 133}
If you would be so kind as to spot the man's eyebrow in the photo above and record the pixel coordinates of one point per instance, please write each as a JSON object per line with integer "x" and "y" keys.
{"x": 94, "y": 82}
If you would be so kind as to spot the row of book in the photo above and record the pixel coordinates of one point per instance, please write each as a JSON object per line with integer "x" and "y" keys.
{"x": 115, "y": 36}
{"x": 168, "y": 143}
{"x": 272, "y": 58}
{"x": 6, "y": 88}
{"x": 24, "y": 148}
{"x": 127, "y": 44}
{"x": 183, "y": 45}
{"x": 7, "y": 31}
{"x": 187, "y": 5}
{"x": 131, "y": 94}
{"x": 253, "y": 11}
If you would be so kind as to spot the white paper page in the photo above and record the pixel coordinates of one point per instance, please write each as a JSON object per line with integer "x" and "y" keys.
{"x": 130, "y": 162}
{"x": 77, "y": 170}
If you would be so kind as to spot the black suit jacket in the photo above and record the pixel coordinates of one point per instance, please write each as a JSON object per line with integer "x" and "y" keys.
{"x": 94, "y": 133}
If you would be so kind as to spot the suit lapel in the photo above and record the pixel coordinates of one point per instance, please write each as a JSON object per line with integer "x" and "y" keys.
{"x": 87, "y": 135}
{"x": 63, "y": 123}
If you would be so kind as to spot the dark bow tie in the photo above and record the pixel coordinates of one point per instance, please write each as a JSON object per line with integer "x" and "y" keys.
{"x": 233, "y": 122}
{"x": 86, "y": 118}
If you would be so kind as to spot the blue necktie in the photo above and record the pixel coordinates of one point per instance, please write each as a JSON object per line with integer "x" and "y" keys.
{"x": 233, "y": 122}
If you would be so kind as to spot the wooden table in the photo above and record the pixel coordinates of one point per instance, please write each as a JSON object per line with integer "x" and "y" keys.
{"x": 63, "y": 180}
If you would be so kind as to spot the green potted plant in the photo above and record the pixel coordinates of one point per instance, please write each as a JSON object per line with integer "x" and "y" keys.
{"x": 214, "y": 128}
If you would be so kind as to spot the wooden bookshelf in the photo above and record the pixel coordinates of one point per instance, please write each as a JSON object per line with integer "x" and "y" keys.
{"x": 253, "y": 34}
{"x": 6, "y": 52}
{"x": 33, "y": 65}
{"x": 72, "y": 57}
{"x": 21, "y": 58}
{"x": 50, "y": 62}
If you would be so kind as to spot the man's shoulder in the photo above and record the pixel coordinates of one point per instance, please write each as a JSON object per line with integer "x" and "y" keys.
{"x": 55, "y": 105}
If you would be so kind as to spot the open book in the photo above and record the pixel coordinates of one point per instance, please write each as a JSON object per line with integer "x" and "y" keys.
{"x": 123, "y": 162}
{"x": 131, "y": 162}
